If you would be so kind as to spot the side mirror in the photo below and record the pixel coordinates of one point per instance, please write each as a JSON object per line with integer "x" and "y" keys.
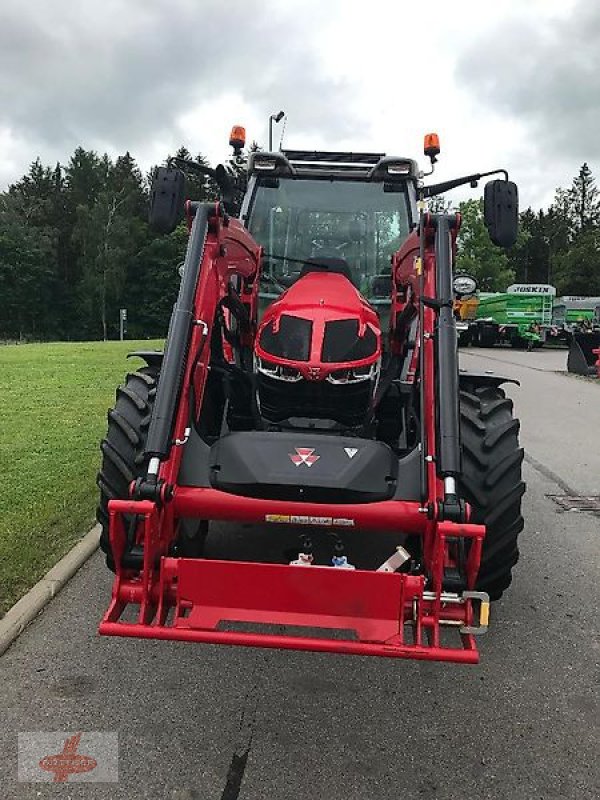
{"x": 501, "y": 212}
{"x": 225, "y": 184}
{"x": 166, "y": 199}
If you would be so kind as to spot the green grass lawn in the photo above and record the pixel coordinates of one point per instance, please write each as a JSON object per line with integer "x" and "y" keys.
{"x": 53, "y": 404}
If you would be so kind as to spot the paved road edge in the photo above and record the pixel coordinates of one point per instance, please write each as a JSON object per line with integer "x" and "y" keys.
{"x": 18, "y": 617}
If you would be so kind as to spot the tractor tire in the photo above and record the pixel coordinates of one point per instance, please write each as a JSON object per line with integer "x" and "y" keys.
{"x": 464, "y": 339}
{"x": 123, "y": 460}
{"x": 488, "y": 338}
{"x": 491, "y": 480}
{"x": 123, "y": 447}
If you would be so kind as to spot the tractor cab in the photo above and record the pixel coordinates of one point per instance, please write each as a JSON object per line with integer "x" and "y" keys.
{"x": 345, "y": 213}
{"x": 328, "y": 224}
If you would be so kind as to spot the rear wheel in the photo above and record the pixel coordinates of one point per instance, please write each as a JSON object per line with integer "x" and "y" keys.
{"x": 491, "y": 480}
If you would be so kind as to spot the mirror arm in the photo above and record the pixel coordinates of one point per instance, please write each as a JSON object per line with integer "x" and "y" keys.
{"x": 219, "y": 175}
{"x": 439, "y": 188}
{"x": 191, "y": 166}
{"x": 495, "y": 172}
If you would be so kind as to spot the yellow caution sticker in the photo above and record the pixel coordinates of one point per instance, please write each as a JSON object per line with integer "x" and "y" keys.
{"x": 484, "y": 614}
{"x": 481, "y": 625}
{"x": 418, "y": 265}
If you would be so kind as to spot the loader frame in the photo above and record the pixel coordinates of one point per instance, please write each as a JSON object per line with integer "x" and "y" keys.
{"x": 381, "y": 613}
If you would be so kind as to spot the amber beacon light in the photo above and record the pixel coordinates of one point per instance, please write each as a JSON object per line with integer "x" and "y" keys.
{"x": 431, "y": 145}
{"x": 237, "y": 138}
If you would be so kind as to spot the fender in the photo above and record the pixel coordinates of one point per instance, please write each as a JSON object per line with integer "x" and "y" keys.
{"x": 485, "y": 378}
{"x": 153, "y": 358}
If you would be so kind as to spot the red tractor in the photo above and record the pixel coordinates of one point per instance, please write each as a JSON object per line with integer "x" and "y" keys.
{"x": 310, "y": 386}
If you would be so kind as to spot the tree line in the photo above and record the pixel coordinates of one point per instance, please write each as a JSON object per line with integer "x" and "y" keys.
{"x": 75, "y": 247}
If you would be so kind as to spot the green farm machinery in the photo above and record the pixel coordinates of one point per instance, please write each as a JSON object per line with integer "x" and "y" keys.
{"x": 521, "y": 316}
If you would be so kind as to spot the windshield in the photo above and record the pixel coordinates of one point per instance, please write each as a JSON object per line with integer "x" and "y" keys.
{"x": 356, "y": 222}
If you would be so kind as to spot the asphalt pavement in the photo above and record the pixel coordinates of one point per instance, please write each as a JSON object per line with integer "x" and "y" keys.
{"x": 222, "y": 723}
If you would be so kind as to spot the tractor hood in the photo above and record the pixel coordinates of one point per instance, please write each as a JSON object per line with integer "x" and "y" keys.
{"x": 320, "y": 326}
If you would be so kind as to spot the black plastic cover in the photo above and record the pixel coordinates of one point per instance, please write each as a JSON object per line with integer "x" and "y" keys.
{"x": 166, "y": 199}
{"x": 501, "y": 212}
{"x": 302, "y": 466}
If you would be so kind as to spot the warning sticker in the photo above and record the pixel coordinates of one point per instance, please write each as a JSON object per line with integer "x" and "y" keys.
{"x": 301, "y": 519}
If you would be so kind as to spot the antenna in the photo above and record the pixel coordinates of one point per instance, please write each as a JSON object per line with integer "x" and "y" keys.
{"x": 282, "y": 132}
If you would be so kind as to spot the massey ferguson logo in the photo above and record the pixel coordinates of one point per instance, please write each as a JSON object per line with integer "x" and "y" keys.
{"x": 303, "y": 455}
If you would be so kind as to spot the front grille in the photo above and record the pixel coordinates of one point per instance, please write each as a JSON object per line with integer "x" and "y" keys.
{"x": 347, "y": 403}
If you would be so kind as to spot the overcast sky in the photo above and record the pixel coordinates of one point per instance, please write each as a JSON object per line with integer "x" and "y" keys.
{"x": 510, "y": 84}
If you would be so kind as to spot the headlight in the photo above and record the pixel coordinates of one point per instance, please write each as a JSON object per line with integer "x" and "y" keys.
{"x": 354, "y": 374}
{"x": 278, "y": 371}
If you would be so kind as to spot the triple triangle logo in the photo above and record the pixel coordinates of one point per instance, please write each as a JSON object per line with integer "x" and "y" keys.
{"x": 304, "y": 455}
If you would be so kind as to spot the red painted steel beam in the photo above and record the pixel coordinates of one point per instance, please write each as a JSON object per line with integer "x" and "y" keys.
{"x": 339, "y": 646}
{"x": 387, "y": 515}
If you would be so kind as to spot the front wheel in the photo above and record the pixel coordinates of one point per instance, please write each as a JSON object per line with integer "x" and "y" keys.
{"x": 491, "y": 480}
{"x": 123, "y": 460}
{"x": 124, "y": 444}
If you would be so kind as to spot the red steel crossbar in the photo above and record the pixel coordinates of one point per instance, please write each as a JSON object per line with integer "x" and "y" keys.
{"x": 386, "y": 515}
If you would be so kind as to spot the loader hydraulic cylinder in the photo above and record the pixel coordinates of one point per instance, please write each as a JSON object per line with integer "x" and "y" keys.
{"x": 178, "y": 337}
{"x": 446, "y": 353}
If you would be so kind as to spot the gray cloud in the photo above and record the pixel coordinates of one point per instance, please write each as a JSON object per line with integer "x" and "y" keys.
{"x": 546, "y": 74}
{"x": 119, "y": 72}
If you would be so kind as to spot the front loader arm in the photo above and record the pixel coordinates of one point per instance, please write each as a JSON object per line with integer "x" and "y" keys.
{"x": 219, "y": 249}
{"x": 421, "y": 290}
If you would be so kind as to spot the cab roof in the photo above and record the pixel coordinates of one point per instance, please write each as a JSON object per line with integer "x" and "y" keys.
{"x": 324, "y": 164}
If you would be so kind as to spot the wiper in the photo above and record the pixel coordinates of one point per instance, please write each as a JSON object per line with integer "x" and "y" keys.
{"x": 266, "y": 277}
{"x": 312, "y": 261}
